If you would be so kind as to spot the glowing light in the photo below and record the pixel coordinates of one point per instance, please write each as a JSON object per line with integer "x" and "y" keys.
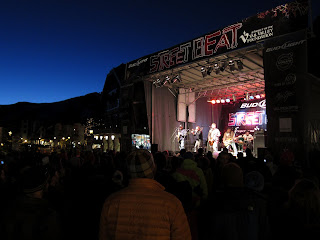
{"x": 68, "y": 137}
{"x": 223, "y": 100}
{"x": 101, "y": 137}
{"x": 63, "y": 138}
{"x": 227, "y": 100}
{"x": 263, "y": 95}
{"x": 106, "y": 137}
{"x": 91, "y": 131}
{"x": 218, "y": 101}
{"x": 258, "y": 96}
{"x": 112, "y": 137}
{"x": 96, "y": 137}
{"x": 54, "y": 137}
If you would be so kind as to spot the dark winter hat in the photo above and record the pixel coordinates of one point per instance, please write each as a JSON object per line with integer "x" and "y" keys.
{"x": 254, "y": 181}
{"x": 140, "y": 164}
{"x": 33, "y": 179}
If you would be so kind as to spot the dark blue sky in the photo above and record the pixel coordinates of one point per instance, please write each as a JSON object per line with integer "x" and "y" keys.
{"x": 52, "y": 50}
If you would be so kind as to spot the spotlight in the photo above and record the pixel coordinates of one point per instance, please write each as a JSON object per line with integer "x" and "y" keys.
{"x": 232, "y": 66}
{"x": 166, "y": 80}
{"x": 223, "y": 100}
{"x": 240, "y": 65}
{"x": 223, "y": 67}
{"x": 262, "y": 95}
{"x": 227, "y": 100}
{"x": 258, "y": 96}
{"x": 217, "y": 68}
{"x": 176, "y": 78}
{"x": 213, "y": 101}
{"x": 217, "y": 101}
{"x": 209, "y": 70}
{"x": 203, "y": 71}
{"x": 251, "y": 97}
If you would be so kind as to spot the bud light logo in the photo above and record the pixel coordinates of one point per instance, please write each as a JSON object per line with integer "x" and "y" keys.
{"x": 261, "y": 104}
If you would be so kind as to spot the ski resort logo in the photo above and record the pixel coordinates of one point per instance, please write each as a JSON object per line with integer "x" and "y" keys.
{"x": 257, "y": 35}
{"x": 284, "y": 61}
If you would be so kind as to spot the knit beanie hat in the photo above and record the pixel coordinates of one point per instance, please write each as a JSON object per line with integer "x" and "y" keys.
{"x": 254, "y": 181}
{"x": 33, "y": 179}
{"x": 140, "y": 164}
{"x": 232, "y": 175}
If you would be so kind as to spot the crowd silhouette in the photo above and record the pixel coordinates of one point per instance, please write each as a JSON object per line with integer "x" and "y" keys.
{"x": 61, "y": 195}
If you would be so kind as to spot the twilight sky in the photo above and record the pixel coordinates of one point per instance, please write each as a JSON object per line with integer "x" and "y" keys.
{"x": 52, "y": 50}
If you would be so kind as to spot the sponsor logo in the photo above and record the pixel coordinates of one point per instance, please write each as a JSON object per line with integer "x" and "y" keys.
{"x": 289, "y": 80}
{"x": 284, "y": 61}
{"x": 257, "y": 35}
{"x": 285, "y": 46}
{"x": 283, "y": 96}
{"x": 261, "y": 104}
{"x": 137, "y": 63}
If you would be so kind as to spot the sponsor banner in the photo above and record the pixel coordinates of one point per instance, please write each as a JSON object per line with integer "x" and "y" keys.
{"x": 284, "y": 59}
{"x": 248, "y": 115}
{"x": 278, "y": 21}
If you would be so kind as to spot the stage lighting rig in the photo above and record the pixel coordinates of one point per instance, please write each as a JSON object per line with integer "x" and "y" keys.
{"x": 232, "y": 66}
{"x": 203, "y": 71}
{"x": 240, "y": 65}
{"x": 216, "y": 68}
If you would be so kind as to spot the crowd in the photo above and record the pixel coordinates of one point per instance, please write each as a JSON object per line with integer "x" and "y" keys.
{"x": 139, "y": 195}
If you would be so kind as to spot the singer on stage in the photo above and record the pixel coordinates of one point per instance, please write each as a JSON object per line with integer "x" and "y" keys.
{"x": 199, "y": 138}
{"x": 213, "y": 138}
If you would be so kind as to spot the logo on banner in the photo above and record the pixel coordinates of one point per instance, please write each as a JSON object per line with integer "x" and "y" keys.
{"x": 289, "y": 80}
{"x": 285, "y": 46}
{"x": 284, "y": 61}
{"x": 137, "y": 63}
{"x": 261, "y": 104}
{"x": 257, "y": 35}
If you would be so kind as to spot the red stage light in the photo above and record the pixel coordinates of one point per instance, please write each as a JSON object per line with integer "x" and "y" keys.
{"x": 262, "y": 95}
{"x": 213, "y": 101}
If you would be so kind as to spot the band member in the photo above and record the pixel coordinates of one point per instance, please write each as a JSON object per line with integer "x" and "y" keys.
{"x": 248, "y": 140}
{"x": 228, "y": 140}
{"x": 199, "y": 138}
{"x": 182, "y": 134}
{"x": 213, "y": 138}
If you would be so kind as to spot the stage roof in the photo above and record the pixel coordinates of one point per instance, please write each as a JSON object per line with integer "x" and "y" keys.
{"x": 226, "y": 83}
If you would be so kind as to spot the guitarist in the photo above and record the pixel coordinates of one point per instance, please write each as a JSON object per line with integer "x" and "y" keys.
{"x": 213, "y": 138}
{"x": 228, "y": 140}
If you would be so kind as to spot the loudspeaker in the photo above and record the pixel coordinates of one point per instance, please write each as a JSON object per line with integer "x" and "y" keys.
{"x": 258, "y": 142}
{"x": 154, "y": 148}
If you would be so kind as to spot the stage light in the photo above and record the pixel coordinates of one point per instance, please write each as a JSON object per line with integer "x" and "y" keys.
{"x": 216, "y": 68}
{"x": 213, "y": 101}
{"x": 166, "y": 80}
{"x": 227, "y": 100}
{"x": 217, "y": 101}
{"x": 240, "y": 65}
{"x": 209, "y": 70}
{"x": 258, "y": 96}
{"x": 223, "y": 100}
{"x": 203, "y": 71}
{"x": 231, "y": 65}
{"x": 223, "y": 67}
{"x": 262, "y": 95}
{"x": 176, "y": 78}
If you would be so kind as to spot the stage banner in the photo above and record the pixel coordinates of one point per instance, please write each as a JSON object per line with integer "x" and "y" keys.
{"x": 284, "y": 19}
{"x": 285, "y": 64}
